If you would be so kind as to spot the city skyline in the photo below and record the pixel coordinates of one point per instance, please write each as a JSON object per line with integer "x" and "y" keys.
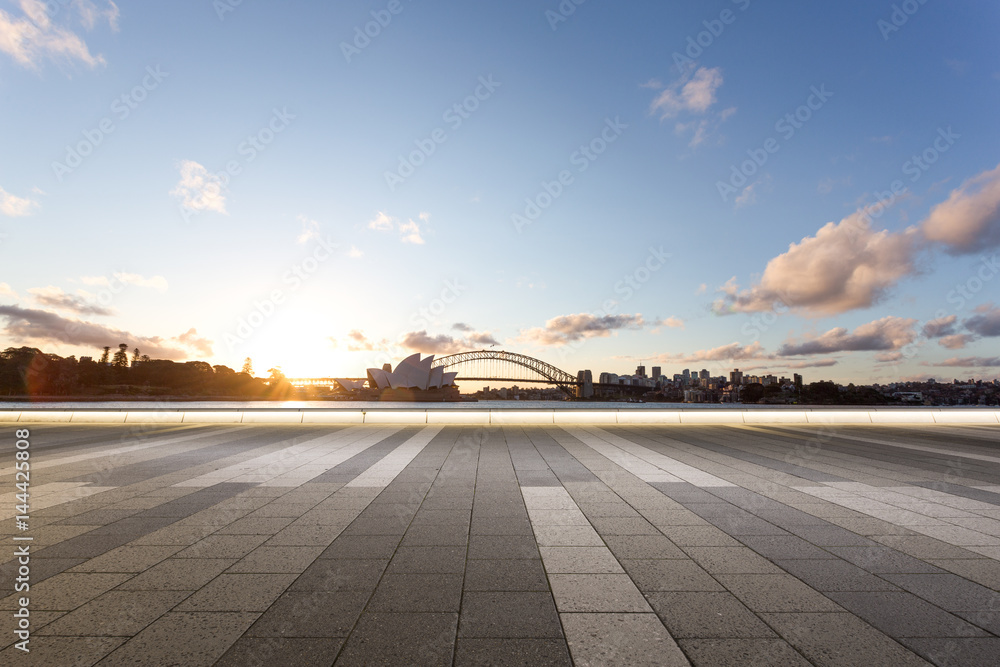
{"x": 807, "y": 189}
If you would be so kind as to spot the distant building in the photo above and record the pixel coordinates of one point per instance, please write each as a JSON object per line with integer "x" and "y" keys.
{"x": 736, "y": 377}
{"x": 640, "y": 371}
{"x": 657, "y": 372}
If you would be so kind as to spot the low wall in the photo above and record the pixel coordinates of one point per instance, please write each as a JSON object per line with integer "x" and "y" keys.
{"x": 507, "y": 416}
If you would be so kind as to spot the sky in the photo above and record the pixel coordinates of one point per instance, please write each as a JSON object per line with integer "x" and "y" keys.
{"x": 783, "y": 188}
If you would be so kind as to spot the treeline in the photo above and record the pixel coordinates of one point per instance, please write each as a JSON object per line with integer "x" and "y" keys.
{"x": 28, "y": 371}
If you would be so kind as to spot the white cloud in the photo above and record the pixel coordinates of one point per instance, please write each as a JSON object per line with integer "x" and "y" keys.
{"x": 7, "y": 290}
{"x": 730, "y": 352}
{"x": 409, "y": 231}
{"x": 355, "y": 253}
{"x": 41, "y": 326}
{"x": 986, "y": 323}
{"x": 970, "y": 362}
{"x": 198, "y": 189}
{"x": 569, "y": 328}
{"x": 749, "y": 194}
{"x": 693, "y": 93}
{"x": 32, "y": 37}
{"x": 885, "y": 335}
{"x": 310, "y": 230}
{"x": 16, "y": 207}
{"x": 844, "y": 266}
{"x": 673, "y": 323}
{"x": 969, "y": 221}
{"x": 381, "y": 222}
{"x": 421, "y": 341}
{"x": 56, "y": 298}
{"x": 956, "y": 341}
{"x": 91, "y": 14}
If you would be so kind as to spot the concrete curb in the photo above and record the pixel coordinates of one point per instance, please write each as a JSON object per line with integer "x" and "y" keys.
{"x": 511, "y": 417}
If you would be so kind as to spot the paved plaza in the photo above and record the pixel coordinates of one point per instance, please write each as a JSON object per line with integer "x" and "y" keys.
{"x": 182, "y": 544}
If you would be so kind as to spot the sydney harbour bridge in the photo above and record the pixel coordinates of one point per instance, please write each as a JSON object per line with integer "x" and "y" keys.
{"x": 494, "y": 366}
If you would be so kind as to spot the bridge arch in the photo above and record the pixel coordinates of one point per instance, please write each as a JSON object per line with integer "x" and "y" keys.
{"x": 478, "y": 360}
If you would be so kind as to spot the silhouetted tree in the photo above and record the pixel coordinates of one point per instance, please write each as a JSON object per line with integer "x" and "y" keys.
{"x": 120, "y": 359}
{"x": 247, "y": 367}
{"x": 106, "y": 357}
{"x": 135, "y": 356}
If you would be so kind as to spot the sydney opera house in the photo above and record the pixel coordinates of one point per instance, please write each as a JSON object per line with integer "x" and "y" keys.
{"x": 412, "y": 374}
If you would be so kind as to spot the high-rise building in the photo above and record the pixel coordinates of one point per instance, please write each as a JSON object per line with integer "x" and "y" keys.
{"x": 798, "y": 381}
{"x": 704, "y": 375}
{"x": 736, "y": 377}
{"x": 586, "y": 387}
{"x": 657, "y": 372}
{"x": 640, "y": 371}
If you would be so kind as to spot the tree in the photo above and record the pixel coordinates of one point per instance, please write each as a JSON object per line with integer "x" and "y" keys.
{"x": 247, "y": 367}
{"x": 135, "y": 356}
{"x": 120, "y": 359}
{"x": 106, "y": 357}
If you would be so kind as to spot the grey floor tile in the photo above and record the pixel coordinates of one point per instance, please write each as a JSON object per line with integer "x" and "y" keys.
{"x": 332, "y": 574}
{"x": 620, "y": 639}
{"x": 502, "y": 546}
{"x": 505, "y": 575}
{"x": 840, "y": 639}
{"x": 238, "y": 592}
{"x": 756, "y": 652}
{"x": 902, "y": 614}
{"x": 776, "y": 593}
{"x": 509, "y": 615}
{"x": 835, "y": 575}
{"x": 880, "y": 559}
{"x": 670, "y": 575}
{"x": 417, "y": 593}
{"x": 68, "y": 651}
{"x": 428, "y": 560}
{"x": 643, "y": 547}
{"x": 401, "y": 639}
{"x": 313, "y": 614}
{"x": 206, "y": 637}
{"x": 114, "y": 614}
{"x": 298, "y": 651}
{"x": 475, "y": 652}
{"x": 707, "y": 615}
{"x": 596, "y": 593}
{"x": 362, "y": 546}
{"x": 950, "y": 651}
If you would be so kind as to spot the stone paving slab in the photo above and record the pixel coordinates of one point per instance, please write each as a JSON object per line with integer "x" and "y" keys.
{"x": 629, "y": 544}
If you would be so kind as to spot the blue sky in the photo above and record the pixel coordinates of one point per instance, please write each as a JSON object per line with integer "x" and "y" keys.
{"x": 247, "y": 185}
